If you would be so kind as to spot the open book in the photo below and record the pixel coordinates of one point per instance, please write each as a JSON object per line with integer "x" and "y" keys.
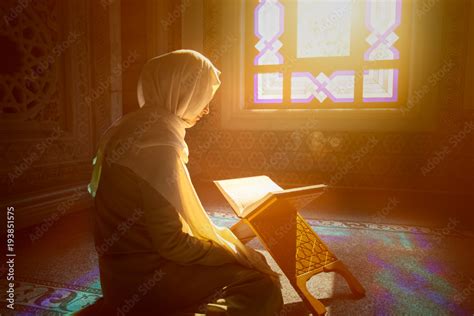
{"x": 246, "y": 194}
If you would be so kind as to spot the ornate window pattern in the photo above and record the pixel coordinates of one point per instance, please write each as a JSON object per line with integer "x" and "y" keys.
{"x": 311, "y": 54}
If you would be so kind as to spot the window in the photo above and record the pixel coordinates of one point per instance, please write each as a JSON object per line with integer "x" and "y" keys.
{"x": 346, "y": 65}
{"x": 320, "y": 54}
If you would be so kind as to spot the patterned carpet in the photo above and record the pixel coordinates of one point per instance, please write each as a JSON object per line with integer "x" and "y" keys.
{"x": 406, "y": 270}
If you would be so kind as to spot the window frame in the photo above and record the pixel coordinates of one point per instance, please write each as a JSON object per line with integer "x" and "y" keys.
{"x": 425, "y": 58}
{"x": 326, "y": 65}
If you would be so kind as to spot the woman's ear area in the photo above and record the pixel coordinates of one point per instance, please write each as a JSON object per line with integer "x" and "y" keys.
{"x": 206, "y": 109}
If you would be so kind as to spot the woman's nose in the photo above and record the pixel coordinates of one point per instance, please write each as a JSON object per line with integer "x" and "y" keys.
{"x": 206, "y": 110}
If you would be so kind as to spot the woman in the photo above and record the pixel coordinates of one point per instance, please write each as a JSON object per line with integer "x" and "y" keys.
{"x": 159, "y": 253}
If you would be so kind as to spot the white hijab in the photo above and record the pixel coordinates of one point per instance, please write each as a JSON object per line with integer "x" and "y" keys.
{"x": 173, "y": 90}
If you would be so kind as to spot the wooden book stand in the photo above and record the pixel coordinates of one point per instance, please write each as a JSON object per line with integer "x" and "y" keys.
{"x": 293, "y": 244}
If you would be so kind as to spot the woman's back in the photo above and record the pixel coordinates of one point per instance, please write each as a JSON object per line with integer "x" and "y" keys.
{"x": 127, "y": 257}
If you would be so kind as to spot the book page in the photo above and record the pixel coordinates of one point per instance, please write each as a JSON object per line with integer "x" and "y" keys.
{"x": 243, "y": 192}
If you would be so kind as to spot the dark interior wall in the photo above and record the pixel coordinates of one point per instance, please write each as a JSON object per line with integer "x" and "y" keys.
{"x": 55, "y": 101}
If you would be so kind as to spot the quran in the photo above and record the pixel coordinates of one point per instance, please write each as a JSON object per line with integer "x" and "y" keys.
{"x": 246, "y": 195}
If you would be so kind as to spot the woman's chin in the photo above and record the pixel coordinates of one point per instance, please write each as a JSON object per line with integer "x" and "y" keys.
{"x": 192, "y": 123}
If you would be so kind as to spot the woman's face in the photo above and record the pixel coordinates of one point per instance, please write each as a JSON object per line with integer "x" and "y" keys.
{"x": 204, "y": 112}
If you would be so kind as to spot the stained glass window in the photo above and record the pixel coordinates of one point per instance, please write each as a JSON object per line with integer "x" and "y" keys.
{"x": 326, "y": 53}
